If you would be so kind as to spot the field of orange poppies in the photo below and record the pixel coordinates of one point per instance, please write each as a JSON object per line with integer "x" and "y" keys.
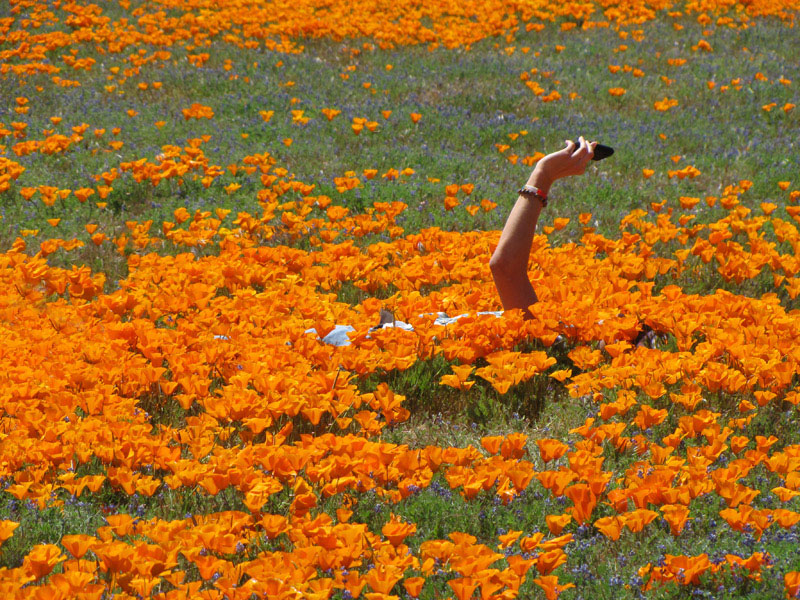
{"x": 250, "y": 346}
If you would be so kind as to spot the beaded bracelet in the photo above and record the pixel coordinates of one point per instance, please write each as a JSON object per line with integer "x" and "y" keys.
{"x": 529, "y": 191}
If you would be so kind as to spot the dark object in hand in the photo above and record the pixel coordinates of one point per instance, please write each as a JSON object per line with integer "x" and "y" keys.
{"x": 601, "y": 152}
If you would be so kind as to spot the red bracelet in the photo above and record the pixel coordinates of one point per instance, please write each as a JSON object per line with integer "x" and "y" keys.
{"x": 529, "y": 191}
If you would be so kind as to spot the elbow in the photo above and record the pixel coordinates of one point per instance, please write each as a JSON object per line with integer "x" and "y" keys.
{"x": 499, "y": 266}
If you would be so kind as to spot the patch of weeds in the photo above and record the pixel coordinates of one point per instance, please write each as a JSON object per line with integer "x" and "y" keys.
{"x": 45, "y": 525}
{"x": 349, "y": 293}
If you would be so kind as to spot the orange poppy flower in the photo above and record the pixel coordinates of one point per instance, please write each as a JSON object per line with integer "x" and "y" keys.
{"x": 551, "y": 449}
{"x": 7, "y": 529}
{"x": 41, "y": 560}
{"x": 556, "y": 523}
{"x": 413, "y": 586}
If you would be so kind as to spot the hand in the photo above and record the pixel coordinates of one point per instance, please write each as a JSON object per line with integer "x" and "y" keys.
{"x": 571, "y": 160}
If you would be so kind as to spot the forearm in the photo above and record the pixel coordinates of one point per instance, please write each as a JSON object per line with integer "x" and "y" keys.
{"x": 509, "y": 262}
{"x": 517, "y": 237}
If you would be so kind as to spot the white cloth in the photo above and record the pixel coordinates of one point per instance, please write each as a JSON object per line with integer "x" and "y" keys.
{"x": 338, "y": 335}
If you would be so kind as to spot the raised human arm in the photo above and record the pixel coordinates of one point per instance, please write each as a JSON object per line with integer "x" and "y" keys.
{"x": 509, "y": 262}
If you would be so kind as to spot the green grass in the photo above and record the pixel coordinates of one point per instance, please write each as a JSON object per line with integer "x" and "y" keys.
{"x": 470, "y": 101}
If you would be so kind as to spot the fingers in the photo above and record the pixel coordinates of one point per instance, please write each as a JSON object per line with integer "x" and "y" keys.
{"x": 574, "y": 147}
{"x": 591, "y": 150}
{"x": 570, "y": 160}
{"x": 583, "y": 155}
{"x": 581, "y": 150}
